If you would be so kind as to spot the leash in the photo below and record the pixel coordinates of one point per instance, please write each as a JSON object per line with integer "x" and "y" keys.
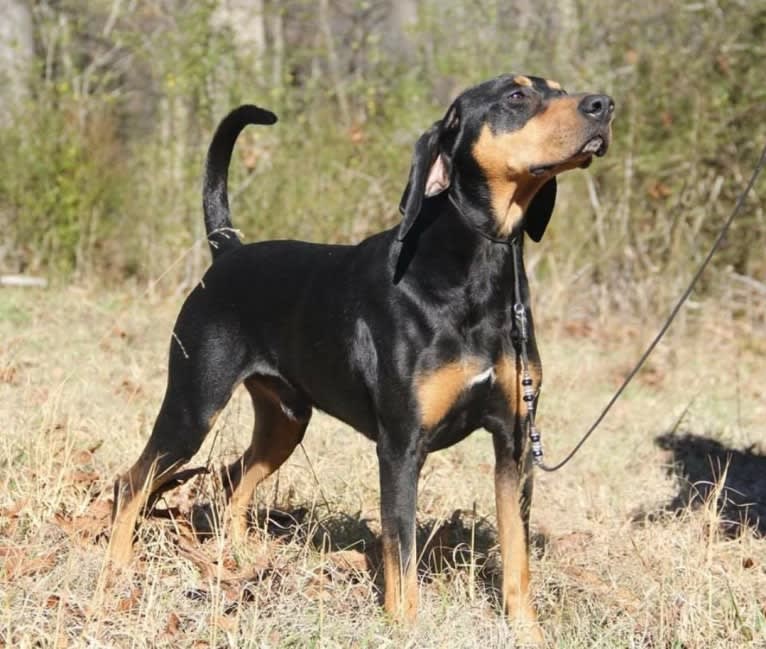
{"x": 520, "y": 314}
{"x": 529, "y": 395}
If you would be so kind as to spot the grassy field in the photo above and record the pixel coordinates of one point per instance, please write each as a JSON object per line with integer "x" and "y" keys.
{"x": 637, "y": 543}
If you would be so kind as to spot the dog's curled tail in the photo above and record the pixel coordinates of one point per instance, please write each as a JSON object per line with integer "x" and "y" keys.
{"x": 215, "y": 199}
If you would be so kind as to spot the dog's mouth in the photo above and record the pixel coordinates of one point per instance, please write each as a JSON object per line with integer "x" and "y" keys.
{"x": 597, "y": 145}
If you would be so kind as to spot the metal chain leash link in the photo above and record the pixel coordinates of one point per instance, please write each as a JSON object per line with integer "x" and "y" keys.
{"x": 529, "y": 395}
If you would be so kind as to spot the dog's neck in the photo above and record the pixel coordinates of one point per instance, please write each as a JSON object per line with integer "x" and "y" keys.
{"x": 481, "y": 230}
{"x": 472, "y": 261}
{"x": 496, "y": 210}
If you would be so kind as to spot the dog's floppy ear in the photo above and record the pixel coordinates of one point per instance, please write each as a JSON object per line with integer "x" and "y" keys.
{"x": 539, "y": 210}
{"x": 431, "y": 170}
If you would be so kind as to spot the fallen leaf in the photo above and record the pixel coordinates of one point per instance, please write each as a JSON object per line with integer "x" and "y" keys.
{"x": 130, "y": 601}
{"x": 571, "y": 542}
{"x": 722, "y": 64}
{"x": 485, "y": 468}
{"x": 82, "y": 457}
{"x": 317, "y": 588}
{"x": 17, "y": 563}
{"x": 225, "y": 623}
{"x": 230, "y": 563}
{"x": 9, "y": 374}
{"x": 658, "y": 190}
{"x": 591, "y": 582}
{"x": 79, "y": 477}
{"x": 578, "y": 329}
{"x": 129, "y": 389}
{"x": 119, "y": 332}
{"x": 90, "y": 525}
{"x": 349, "y": 560}
{"x": 209, "y": 567}
{"x": 356, "y": 134}
{"x": 652, "y": 376}
{"x": 173, "y": 624}
{"x": 14, "y": 509}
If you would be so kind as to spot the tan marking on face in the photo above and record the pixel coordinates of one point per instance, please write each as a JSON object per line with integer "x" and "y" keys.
{"x": 400, "y": 599}
{"x": 509, "y": 380}
{"x": 552, "y": 136}
{"x": 438, "y": 390}
{"x": 521, "y": 80}
{"x": 515, "y": 553}
{"x": 553, "y": 85}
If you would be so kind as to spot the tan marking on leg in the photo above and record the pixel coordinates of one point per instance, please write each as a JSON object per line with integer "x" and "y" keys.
{"x": 275, "y": 437}
{"x": 515, "y": 555}
{"x": 553, "y": 85}
{"x": 438, "y": 390}
{"x": 260, "y": 461}
{"x": 509, "y": 380}
{"x": 522, "y": 80}
{"x": 131, "y": 493}
{"x": 401, "y": 585}
{"x": 120, "y": 550}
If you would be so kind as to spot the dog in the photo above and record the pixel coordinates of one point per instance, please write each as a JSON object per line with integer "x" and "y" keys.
{"x": 408, "y": 337}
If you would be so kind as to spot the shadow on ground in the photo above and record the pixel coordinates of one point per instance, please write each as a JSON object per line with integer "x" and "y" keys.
{"x": 464, "y": 542}
{"x": 707, "y": 469}
{"x": 464, "y": 545}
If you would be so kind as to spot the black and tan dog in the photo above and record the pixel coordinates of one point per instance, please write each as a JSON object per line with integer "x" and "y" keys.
{"x": 406, "y": 337}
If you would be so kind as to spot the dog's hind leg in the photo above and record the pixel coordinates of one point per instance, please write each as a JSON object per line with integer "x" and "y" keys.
{"x": 199, "y": 387}
{"x": 278, "y": 429}
{"x": 177, "y": 435}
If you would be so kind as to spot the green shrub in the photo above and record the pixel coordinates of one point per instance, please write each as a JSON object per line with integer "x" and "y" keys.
{"x": 63, "y": 184}
{"x": 104, "y": 177}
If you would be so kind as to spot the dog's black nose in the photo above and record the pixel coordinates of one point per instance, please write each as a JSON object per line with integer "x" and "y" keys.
{"x": 598, "y": 107}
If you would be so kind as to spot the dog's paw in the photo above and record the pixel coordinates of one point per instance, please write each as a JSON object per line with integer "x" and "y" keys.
{"x": 529, "y": 634}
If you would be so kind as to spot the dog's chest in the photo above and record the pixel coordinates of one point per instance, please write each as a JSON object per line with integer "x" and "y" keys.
{"x": 456, "y": 398}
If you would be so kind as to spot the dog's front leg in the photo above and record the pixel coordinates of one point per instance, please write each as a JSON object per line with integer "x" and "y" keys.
{"x": 513, "y": 496}
{"x": 399, "y": 471}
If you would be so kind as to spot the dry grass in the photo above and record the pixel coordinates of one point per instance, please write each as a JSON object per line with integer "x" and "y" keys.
{"x": 626, "y": 554}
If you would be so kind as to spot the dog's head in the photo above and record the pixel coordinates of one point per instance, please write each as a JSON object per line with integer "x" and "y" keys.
{"x": 499, "y": 148}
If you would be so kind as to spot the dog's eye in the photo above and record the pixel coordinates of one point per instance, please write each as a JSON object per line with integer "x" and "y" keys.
{"x": 516, "y": 95}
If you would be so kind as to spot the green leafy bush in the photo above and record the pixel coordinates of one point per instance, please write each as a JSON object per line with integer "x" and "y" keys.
{"x": 103, "y": 177}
